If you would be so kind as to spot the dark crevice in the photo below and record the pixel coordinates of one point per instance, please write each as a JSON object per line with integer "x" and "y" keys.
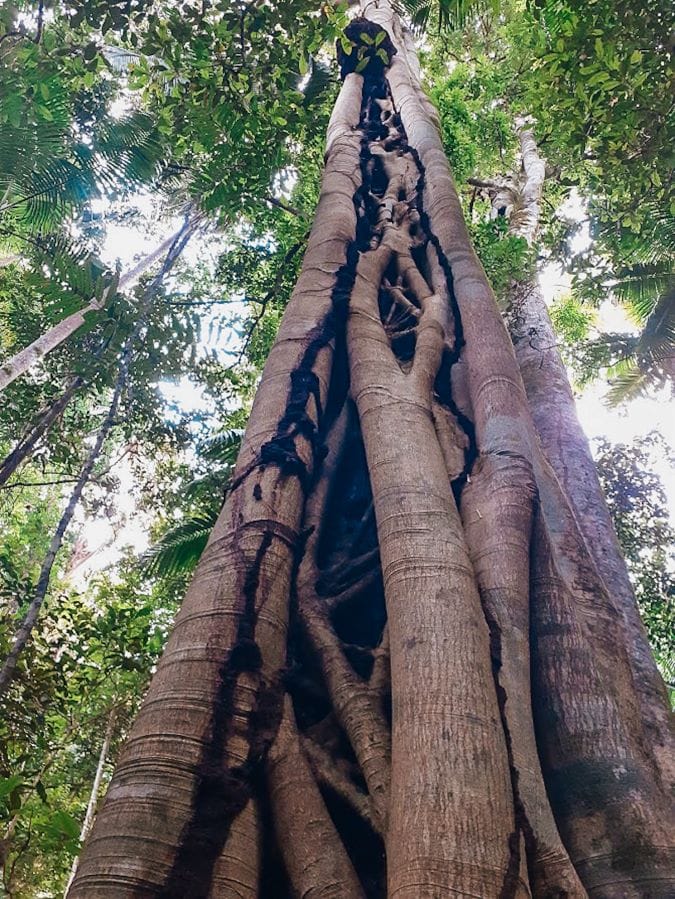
{"x": 443, "y": 384}
{"x": 347, "y": 531}
{"x": 521, "y": 823}
{"x": 364, "y": 847}
{"x": 443, "y": 388}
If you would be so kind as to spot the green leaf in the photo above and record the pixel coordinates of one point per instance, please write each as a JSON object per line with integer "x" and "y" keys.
{"x": 180, "y": 548}
{"x": 379, "y": 37}
{"x": 9, "y": 784}
{"x": 64, "y": 825}
{"x": 361, "y": 65}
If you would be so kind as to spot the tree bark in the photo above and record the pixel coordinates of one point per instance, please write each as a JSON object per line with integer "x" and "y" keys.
{"x": 425, "y": 529}
{"x": 24, "y": 448}
{"x": 219, "y": 679}
{"x": 566, "y": 447}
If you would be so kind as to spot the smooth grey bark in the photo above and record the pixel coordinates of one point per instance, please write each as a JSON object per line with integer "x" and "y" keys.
{"x": 22, "y": 361}
{"x": 27, "y": 444}
{"x": 95, "y": 789}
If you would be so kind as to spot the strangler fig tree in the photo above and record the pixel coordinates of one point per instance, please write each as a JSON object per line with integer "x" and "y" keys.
{"x": 398, "y": 670}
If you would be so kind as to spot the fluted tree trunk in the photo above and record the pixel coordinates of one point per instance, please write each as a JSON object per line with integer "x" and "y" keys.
{"x": 397, "y": 670}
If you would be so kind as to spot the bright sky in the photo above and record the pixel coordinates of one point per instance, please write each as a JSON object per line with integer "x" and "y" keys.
{"x": 107, "y": 538}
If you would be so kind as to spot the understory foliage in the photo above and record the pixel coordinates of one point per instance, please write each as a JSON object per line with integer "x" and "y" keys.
{"x": 337, "y": 699}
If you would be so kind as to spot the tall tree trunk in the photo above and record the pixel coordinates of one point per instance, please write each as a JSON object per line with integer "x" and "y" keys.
{"x": 397, "y": 671}
{"x": 22, "y": 361}
{"x": 25, "y": 629}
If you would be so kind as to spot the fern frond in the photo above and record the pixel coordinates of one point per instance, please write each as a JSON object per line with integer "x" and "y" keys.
{"x": 223, "y": 447}
{"x": 450, "y": 15}
{"x": 178, "y": 551}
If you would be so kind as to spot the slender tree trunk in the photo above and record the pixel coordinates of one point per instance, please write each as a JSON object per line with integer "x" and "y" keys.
{"x": 22, "y": 361}
{"x": 24, "y": 448}
{"x": 397, "y": 671}
{"x": 95, "y": 790}
{"x": 26, "y": 627}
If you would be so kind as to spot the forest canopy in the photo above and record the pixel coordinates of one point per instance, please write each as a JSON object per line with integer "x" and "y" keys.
{"x": 165, "y": 168}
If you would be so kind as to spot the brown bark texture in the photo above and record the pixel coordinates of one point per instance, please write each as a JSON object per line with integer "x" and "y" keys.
{"x": 398, "y": 671}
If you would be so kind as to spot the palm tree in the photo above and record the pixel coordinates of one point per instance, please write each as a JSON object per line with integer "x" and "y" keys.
{"x": 644, "y": 282}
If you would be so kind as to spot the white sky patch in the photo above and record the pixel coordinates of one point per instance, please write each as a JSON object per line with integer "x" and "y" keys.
{"x": 103, "y": 540}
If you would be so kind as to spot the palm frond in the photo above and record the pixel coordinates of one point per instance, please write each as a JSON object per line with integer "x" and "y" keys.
{"x": 657, "y": 340}
{"x": 628, "y": 382}
{"x": 178, "y": 551}
{"x": 223, "y": 447}
{"x": 640, "y": 286}
{"x": 48, "y": 174}
{"x": 652, "y": 362}
{"x": 450, "y": 15}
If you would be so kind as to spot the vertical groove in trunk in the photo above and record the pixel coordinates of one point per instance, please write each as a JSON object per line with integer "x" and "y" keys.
{"x": 504, "y": 426}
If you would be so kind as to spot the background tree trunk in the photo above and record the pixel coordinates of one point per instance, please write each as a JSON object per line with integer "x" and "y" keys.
{"x": 566, "y": 447}
{"x": 24, "y": 448}
{"x": 95, "y": 790}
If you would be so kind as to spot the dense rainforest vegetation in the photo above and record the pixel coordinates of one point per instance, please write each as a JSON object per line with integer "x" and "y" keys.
{"x": 296, "y": 299}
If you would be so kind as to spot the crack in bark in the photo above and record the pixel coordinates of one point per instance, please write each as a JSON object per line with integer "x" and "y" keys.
{"x": 522, "y": 825}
